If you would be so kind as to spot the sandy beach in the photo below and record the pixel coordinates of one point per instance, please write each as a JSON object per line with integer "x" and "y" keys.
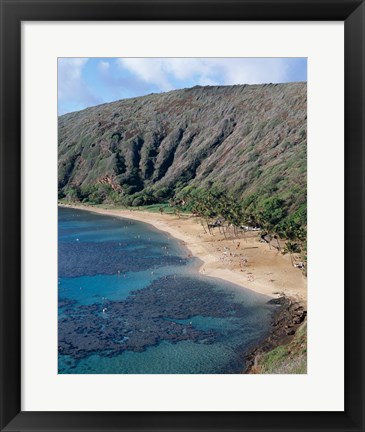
{"x": 243, "y": 261}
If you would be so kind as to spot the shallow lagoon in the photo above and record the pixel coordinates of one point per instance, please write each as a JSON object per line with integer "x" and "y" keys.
{"x": 132, "y": 301}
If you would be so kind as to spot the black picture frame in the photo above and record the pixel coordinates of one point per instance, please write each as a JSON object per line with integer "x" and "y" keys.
{"x": 13, "y": 12}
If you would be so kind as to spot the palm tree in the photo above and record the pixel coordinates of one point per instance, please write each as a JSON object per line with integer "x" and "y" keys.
{"x": 291, "y": 248}
{"x": 276, "y": 237}
{"x": 177, "y": 211}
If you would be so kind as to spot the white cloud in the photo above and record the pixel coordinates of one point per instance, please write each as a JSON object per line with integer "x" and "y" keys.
{"x": 254, "y": 71}
{"x": 151, "y": 70}
{"x": 206, "y": 81}
{"x": 69, "y": 75}
{"x": 72, "y": 89}
{"x": 104, "y": 66}
{"x": 166, "y": 72}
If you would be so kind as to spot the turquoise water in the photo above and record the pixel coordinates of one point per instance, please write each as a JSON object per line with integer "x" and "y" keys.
{"x": 132, "y": 301}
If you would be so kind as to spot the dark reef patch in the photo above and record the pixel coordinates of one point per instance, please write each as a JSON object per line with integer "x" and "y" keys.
{"x": 144, "y": 319}
{"x": 92, "y": 258}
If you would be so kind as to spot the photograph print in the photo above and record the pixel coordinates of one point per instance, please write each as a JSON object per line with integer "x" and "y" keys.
{"x": 182, "y": 216}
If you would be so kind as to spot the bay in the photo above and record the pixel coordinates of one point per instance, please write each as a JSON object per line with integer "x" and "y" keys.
{"x": 131, "y": 300}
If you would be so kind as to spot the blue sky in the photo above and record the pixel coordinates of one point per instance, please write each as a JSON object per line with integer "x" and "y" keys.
{"x": 84, "y": 82}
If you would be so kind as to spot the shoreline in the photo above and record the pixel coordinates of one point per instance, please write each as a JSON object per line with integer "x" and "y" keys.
{"x": 243, "y": 262}
{"x": 265, "y": 271}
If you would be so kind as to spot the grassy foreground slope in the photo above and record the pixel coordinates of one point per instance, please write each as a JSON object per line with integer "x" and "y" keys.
{"x": 285, "y": 359}
{"x": 245, "y": 140}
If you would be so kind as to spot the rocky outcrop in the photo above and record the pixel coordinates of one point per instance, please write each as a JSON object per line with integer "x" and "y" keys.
{"x": 290, "y": 316}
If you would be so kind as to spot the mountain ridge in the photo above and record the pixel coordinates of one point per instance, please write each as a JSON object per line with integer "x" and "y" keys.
{"x": 242, "y": 140}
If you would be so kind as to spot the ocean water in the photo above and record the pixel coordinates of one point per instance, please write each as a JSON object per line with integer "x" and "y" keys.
{"x": 131, "y": 301}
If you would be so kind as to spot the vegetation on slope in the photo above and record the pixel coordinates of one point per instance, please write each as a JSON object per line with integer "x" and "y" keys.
{"x": 234, "y": 156}
{"x": 245, "y": 140}
{"x": 285, "y": 359}
{"x": 234, "y": 153}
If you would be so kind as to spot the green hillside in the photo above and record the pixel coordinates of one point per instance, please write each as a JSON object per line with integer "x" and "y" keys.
{"x": 243, "y": 141}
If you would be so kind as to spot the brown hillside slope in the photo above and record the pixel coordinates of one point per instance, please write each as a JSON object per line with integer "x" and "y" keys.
{"x": 243, "y": 139}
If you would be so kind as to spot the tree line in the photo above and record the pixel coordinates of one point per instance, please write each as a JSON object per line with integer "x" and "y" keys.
{"x": 269, "y": 215}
